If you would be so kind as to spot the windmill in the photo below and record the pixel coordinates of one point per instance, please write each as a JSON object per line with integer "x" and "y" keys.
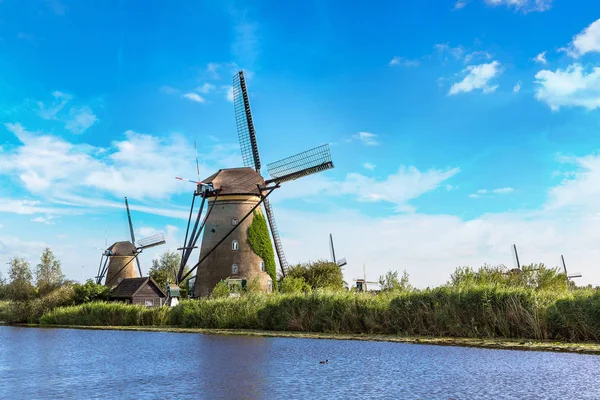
{"x": 361, "y": 283}
{"x": 569, "y": 277}
{"x": 342, "y": 261}
{"x": 234, "y": 197}
{"x": 116, "y": 262}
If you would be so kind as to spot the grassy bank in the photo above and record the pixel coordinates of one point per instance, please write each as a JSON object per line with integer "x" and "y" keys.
{"x": 476, "y": 312}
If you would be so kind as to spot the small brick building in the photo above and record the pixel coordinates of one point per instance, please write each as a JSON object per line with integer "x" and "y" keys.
{"x": 139, "y": 291}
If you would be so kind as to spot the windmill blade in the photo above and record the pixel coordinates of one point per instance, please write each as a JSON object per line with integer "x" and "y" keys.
{"x": 283, "y": 265}
{"x": 244, "y": 122}
{"x": 302, "y": 164}
{"x": 341, "y": 262}
{"x": 132, "y": 236}
{"x": 151, "y": 241}
{"x": 331, "y": 248}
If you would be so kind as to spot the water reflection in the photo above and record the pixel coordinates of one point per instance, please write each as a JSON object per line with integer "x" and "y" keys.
{"x": 78, "y": 364}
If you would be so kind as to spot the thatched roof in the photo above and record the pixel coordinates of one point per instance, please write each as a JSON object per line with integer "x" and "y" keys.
{"x": 236, "y": 181}
{"x": 130, "y": 286}
{"x": 123, "y": 249}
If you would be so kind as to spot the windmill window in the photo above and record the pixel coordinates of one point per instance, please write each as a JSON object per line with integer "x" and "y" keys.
{"x": 149, "y": 302}
{"x": 234, "y": 221}
{"x": 235, "y": 269}
{"x": 235, "y": 246}
{"x": 270, "y": 283}
{"x": 262, "y": 265}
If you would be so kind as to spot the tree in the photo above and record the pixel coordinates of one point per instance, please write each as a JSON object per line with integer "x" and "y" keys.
{"x": 48, "y": 273}
{"x": 3, "y": 294}
{"x": 20, "y": 287}
{"x": 90, "y": 291}
{"x": 319, "y": 274}
{"x": 291, "y": 284}
{"x": 164, "y": 269}
{"x": 390, "y": 281}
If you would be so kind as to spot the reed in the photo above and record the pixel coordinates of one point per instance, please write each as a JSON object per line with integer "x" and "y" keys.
{"x": 488, "y": 311}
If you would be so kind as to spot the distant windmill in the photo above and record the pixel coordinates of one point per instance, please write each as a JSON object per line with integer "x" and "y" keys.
{"x": 569, "y": 277}
{"x": 238, "y": 193}
{"x": 116, "y": 262}
{"x": 342, "y": 261}
{"x": 361, "y": 284}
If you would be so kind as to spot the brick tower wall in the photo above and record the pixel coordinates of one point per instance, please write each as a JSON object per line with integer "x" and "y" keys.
{"x": 218, "y": 265}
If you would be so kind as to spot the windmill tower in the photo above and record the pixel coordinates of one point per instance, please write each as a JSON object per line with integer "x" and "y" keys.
{"x": 117, "y": 261}
{"x": 234, "y": 197}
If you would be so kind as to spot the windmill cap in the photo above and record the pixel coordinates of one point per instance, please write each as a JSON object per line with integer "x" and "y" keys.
{"x": 236, "y": 181}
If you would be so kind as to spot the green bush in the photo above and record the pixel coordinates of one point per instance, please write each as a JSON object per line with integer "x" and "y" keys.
{"x": 107, "y": 314}
{"x": 319, "y": 274}
{"x": 260, "y": 241}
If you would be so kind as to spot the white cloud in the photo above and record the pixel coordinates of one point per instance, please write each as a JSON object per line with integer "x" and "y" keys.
{"x": 541, "y": 58}
{"x": 194, "y": 97}
{"x": 398, "y": 188}
{"x": 571, "y": 87}
{"x": 206, "y": 88}
{"x": 480, "y": 192}
{"x": 229, "y": 93}
{"x": 80, "y": 119}
{"x": 523, "y": 5}
{"x": 587, "y": 41}
{"x": 477, "y": 55}
{"x": 369, "y": 166}
{"x": 477, "y": 77}
{"x": 368, "y": 138}
{"x": 456, "y": 52}
{"x": 44, "y": 220}
{"x": 517, "y": 87}
{"x": 50, "y": 112}
{"x": 404, "y": 62}
{"x": 460, "y": 4}
{"x": 168, "y": 89}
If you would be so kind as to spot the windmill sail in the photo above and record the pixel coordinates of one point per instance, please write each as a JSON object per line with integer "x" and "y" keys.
{"x": 132, "y": 236}
{"x": 275, "y": 232}
{"x": 302, "y": 164}
{"x": 151, "y": 241}
{"x": 245, "y": 125}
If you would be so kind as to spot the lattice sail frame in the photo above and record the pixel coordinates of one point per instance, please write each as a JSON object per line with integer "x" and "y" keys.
{"x": 244, "y": 122}
{"x": 302, "y": 164}
{"x": 151, "y": 241}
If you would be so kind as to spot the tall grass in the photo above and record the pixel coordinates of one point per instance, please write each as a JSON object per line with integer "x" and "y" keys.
{"x": 484, "y": 312}
{"x": 107, "y": 314}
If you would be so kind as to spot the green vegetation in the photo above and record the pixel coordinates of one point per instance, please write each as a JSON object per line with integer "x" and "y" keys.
{"x": 535, "y": 303}
{"x": 164, "y": 269}
{"x": 260, "y": 241}
{"x": 102, "y": 313}
{"x": 319, "y": 274}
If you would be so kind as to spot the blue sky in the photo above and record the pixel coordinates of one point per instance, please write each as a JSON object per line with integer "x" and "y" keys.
{"x": 457, "y": 127}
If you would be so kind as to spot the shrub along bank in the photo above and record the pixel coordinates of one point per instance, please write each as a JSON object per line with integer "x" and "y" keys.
{"x": 473, "y": 312}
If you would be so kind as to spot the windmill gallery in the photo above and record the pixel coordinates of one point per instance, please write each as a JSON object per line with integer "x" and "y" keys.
{"x": 231, "y": 203}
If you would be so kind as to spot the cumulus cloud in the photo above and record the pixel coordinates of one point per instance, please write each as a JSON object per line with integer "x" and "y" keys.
{"x": 541, "y": 58}
{"x": 367, "y": 138}
{"x": 477, "y": 77}
{"x": 194, "y": 97}
{"x": 587, "y": 41}
{"x": 369, "y": 166}
{"x": 80, "y": 119}
{"x": 480, "y": 192}
{"x": 517, "y": 87}
{"x": 569, "y": 87}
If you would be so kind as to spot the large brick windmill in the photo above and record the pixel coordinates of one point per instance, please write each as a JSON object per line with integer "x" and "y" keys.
{"x": 234, "y": 197}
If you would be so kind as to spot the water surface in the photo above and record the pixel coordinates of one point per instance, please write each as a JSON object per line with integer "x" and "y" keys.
{"x": 87, "y": 364}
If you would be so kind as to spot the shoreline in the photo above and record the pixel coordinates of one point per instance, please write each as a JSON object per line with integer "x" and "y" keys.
{"x": 491, "y": 343}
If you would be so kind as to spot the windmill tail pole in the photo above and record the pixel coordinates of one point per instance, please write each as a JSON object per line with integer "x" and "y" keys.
{"x": 228, "y": 233}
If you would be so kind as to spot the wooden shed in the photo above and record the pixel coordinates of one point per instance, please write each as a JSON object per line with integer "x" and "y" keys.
{"x": 140, "y": 291}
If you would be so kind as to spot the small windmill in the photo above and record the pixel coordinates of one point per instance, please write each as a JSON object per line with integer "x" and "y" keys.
{"x": 342, "y": 261}
{"x": 116, "y": 262}
{"x": 361, "y": 283}
{"x": 239, "y": 192}
{"x": 569, "y": 277}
